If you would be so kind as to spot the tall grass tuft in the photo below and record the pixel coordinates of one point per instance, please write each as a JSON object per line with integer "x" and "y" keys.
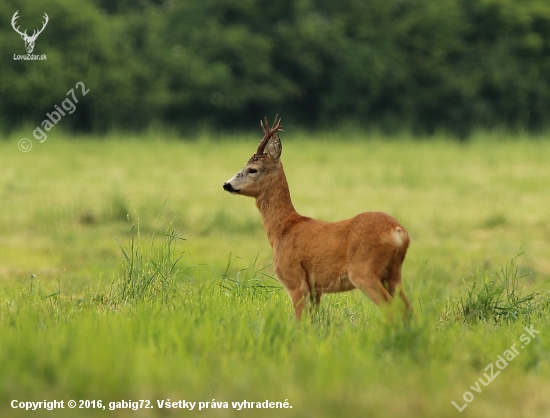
{"x": 248, "y": 282}
{"x": 152, "y": 276}
{"x": 500, "y": 298}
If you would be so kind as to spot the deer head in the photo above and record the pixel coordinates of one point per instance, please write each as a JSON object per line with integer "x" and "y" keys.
{"x": 251, "y": 180}
{"x": 29, "y": 40}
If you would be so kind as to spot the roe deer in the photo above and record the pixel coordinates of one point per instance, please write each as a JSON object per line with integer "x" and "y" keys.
{"x": 312, "y": 257}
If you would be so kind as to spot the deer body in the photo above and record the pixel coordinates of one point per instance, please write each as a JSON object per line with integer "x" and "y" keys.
{"x": 312, "y": 257}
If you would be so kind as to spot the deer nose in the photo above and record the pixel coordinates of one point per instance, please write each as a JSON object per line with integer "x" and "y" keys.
{"x": 228, "y": 187}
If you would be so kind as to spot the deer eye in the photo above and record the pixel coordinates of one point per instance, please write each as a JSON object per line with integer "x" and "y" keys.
{"x": 252, "y": 171}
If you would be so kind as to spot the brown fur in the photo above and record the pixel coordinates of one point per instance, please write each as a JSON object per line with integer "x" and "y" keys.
{"x": 312, "y": 257}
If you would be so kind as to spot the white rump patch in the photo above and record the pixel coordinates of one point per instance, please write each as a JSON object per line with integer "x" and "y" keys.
{"x": 397, "y": 234}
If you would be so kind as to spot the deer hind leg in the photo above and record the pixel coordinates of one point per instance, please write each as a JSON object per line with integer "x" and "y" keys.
{"x": 381, "y": 292}
{"x": 392, "y": 282}
{"x": 380, "y": 281}
{"x": 368, "y": 281}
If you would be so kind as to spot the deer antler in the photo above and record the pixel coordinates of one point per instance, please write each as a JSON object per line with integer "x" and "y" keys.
{"x": 13, "y": 19}
{"x": 268, "y": 133}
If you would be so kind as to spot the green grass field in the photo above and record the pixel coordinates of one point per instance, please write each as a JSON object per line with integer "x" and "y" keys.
{"x": 94, "y": 305}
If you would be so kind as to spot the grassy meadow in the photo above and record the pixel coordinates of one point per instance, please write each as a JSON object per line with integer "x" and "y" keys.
{"x": 127, "y": 274}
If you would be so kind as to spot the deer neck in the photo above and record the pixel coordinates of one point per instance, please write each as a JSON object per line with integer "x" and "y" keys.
{"x": 276, "y": 208}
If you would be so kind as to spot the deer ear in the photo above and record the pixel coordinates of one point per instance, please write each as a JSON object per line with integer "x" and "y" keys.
{"x": 274, "y": 147}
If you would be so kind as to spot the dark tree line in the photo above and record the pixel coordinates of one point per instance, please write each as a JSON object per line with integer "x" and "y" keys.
{"x": 392, "y": 64}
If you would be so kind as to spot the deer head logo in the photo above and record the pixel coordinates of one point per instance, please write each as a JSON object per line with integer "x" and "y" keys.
{"x": 29, "y": 40}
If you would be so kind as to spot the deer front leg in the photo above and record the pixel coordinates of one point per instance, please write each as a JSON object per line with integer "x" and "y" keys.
{"x": 300, "y": 291}
{"x": 298, "y": 301}
{"x": 300, "y": 298}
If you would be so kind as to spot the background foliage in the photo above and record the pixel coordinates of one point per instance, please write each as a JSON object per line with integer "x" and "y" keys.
{"x": 420, "y": 65}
